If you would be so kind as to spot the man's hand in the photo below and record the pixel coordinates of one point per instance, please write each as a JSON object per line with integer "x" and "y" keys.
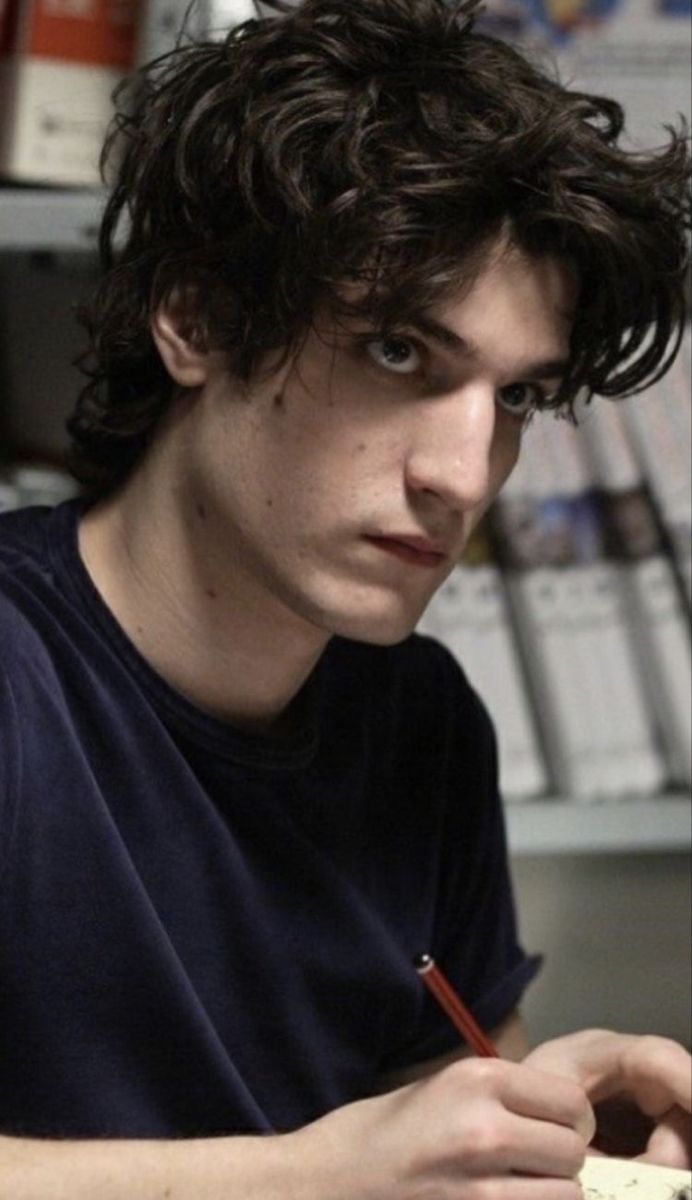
{"x": 478, "y": 1128}
{"x": 640, "y": 1087}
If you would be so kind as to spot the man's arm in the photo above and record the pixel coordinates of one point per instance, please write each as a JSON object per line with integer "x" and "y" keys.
{"x": 444, "y": 1135}
{"x": 254, "y": 1168}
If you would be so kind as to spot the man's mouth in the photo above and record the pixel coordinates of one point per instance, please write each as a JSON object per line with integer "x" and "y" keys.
{"x": 415, "y": 550}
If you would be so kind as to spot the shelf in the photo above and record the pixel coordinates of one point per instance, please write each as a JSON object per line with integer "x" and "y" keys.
{"x": 57, "y": 219}
{"x": 662, "y": 824}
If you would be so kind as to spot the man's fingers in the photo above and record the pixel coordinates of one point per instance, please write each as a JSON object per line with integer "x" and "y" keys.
{"x": 546, "y": 1150}
{"x": 562, "y": 1101}
{"x": 658, "y": 1074}
{"x": 670, "y": 1145}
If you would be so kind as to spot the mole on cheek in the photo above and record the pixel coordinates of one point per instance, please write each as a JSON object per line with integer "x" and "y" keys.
{"x": 279, "y": 400}
{"x": 270, "y": 502}
{"x": 201, "y": 512}
{"x": 361, "y": 447}
{"x": 210, "y": 593}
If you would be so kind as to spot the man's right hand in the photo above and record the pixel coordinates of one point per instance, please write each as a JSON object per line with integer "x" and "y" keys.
{"x": 476, "y": 1130}
{"x": 481, "y": 1129}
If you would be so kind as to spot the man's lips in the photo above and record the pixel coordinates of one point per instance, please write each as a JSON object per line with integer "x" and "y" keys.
{"x": 417, "y": 550}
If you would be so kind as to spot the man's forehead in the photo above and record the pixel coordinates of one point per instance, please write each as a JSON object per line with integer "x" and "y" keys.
{"x": 557, "y": 276}
{"x": 553, "y": 279}
{"x": 533, "y": 295}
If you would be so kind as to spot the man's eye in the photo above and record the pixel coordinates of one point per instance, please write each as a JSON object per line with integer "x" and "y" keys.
{"x": 521, "y": 398}
{"x": 397, "y": 354}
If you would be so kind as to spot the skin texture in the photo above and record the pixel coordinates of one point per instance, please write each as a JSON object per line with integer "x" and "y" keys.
{"x": 240, "y": 545}
{"x": 641, "y": 1087}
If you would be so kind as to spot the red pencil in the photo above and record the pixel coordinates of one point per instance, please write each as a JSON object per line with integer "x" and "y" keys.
{"x": 454, "y": 1007}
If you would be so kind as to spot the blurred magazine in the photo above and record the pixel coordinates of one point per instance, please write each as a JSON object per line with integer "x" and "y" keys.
{"x": 632, "y": 760}
{"x": 571, "y": 623}
{"x": 654, "y": 607}
{"x": 659, "y": 425}
{"x": 469, "y": 615}
{"x": 530, "y": 549}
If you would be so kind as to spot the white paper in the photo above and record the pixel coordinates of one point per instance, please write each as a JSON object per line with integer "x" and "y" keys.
{"x": 616, "y": 1179}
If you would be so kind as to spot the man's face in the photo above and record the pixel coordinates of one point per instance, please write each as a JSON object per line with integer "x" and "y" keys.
{"x": 342, "y": 489}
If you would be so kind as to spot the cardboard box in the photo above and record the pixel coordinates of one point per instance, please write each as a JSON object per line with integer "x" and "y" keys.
{"x": 62, "y": 59}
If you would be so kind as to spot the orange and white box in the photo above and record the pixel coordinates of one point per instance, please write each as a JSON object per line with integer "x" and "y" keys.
{"x": 62, "y": 60}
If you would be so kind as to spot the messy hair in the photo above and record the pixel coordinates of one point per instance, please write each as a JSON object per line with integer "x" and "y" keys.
{"x": 382, "y": 142}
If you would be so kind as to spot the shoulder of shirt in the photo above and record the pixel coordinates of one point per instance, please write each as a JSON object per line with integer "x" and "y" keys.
{"x": 22, "y": 559}
{"x": 22, "y": 537}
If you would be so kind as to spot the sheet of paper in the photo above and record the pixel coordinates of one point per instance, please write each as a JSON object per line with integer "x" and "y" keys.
{"x": 615, "y": 1179}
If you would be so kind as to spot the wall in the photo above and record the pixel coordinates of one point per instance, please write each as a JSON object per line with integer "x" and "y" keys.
{"x": 616, "y": 933}
{"x": 40, "y": 338}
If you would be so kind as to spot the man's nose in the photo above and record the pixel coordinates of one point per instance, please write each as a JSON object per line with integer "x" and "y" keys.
{"x": 450, "y": 457}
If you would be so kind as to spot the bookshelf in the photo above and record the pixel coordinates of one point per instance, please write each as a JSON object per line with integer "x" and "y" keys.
{"x": 555, "y": 826}
{"x": 44, "y": 220}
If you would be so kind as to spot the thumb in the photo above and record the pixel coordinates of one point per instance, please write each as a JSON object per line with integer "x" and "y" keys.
{"x": 670, "y": 1145}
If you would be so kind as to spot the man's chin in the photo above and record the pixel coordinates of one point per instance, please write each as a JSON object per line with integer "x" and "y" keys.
{"x": 377, "y": 630}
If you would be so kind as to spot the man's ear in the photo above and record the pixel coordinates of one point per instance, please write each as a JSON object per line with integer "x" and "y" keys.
{"x": 183, "y": 353}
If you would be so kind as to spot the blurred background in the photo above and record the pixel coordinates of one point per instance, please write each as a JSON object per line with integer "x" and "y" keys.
{"x": 571, "y": 609}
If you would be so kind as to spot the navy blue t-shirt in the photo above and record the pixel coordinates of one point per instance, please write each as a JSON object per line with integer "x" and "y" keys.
{"x": 205, "y": 931}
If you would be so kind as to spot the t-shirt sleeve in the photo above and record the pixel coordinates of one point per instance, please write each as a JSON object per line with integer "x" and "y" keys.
{"x": 475, "y": 937}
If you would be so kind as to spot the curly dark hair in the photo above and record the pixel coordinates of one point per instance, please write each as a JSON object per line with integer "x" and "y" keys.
{"x": 382, "y": 141}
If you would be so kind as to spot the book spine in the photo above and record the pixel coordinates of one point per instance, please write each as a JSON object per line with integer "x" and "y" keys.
{"x": 659, "y": 427}
{"x": 470, "y": 616}
{"x": 532, "y": 541}
{"x": 655, "y": 611}
{"x": 65, "y": 64}
{"x": 630, "y": 756}
{"x": 678, "y": 412}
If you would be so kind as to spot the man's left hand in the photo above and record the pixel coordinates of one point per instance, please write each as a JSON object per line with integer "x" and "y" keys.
{"x": 640, "y": 1087}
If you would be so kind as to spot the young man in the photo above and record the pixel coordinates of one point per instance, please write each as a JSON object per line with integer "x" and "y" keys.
{"x": 363, "y": 244}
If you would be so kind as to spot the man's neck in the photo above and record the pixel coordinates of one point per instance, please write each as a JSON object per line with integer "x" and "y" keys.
{"x": 229, "y": 647}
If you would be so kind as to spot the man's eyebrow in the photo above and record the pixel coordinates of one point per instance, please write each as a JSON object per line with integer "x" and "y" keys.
{"x": 543, "y": 369}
